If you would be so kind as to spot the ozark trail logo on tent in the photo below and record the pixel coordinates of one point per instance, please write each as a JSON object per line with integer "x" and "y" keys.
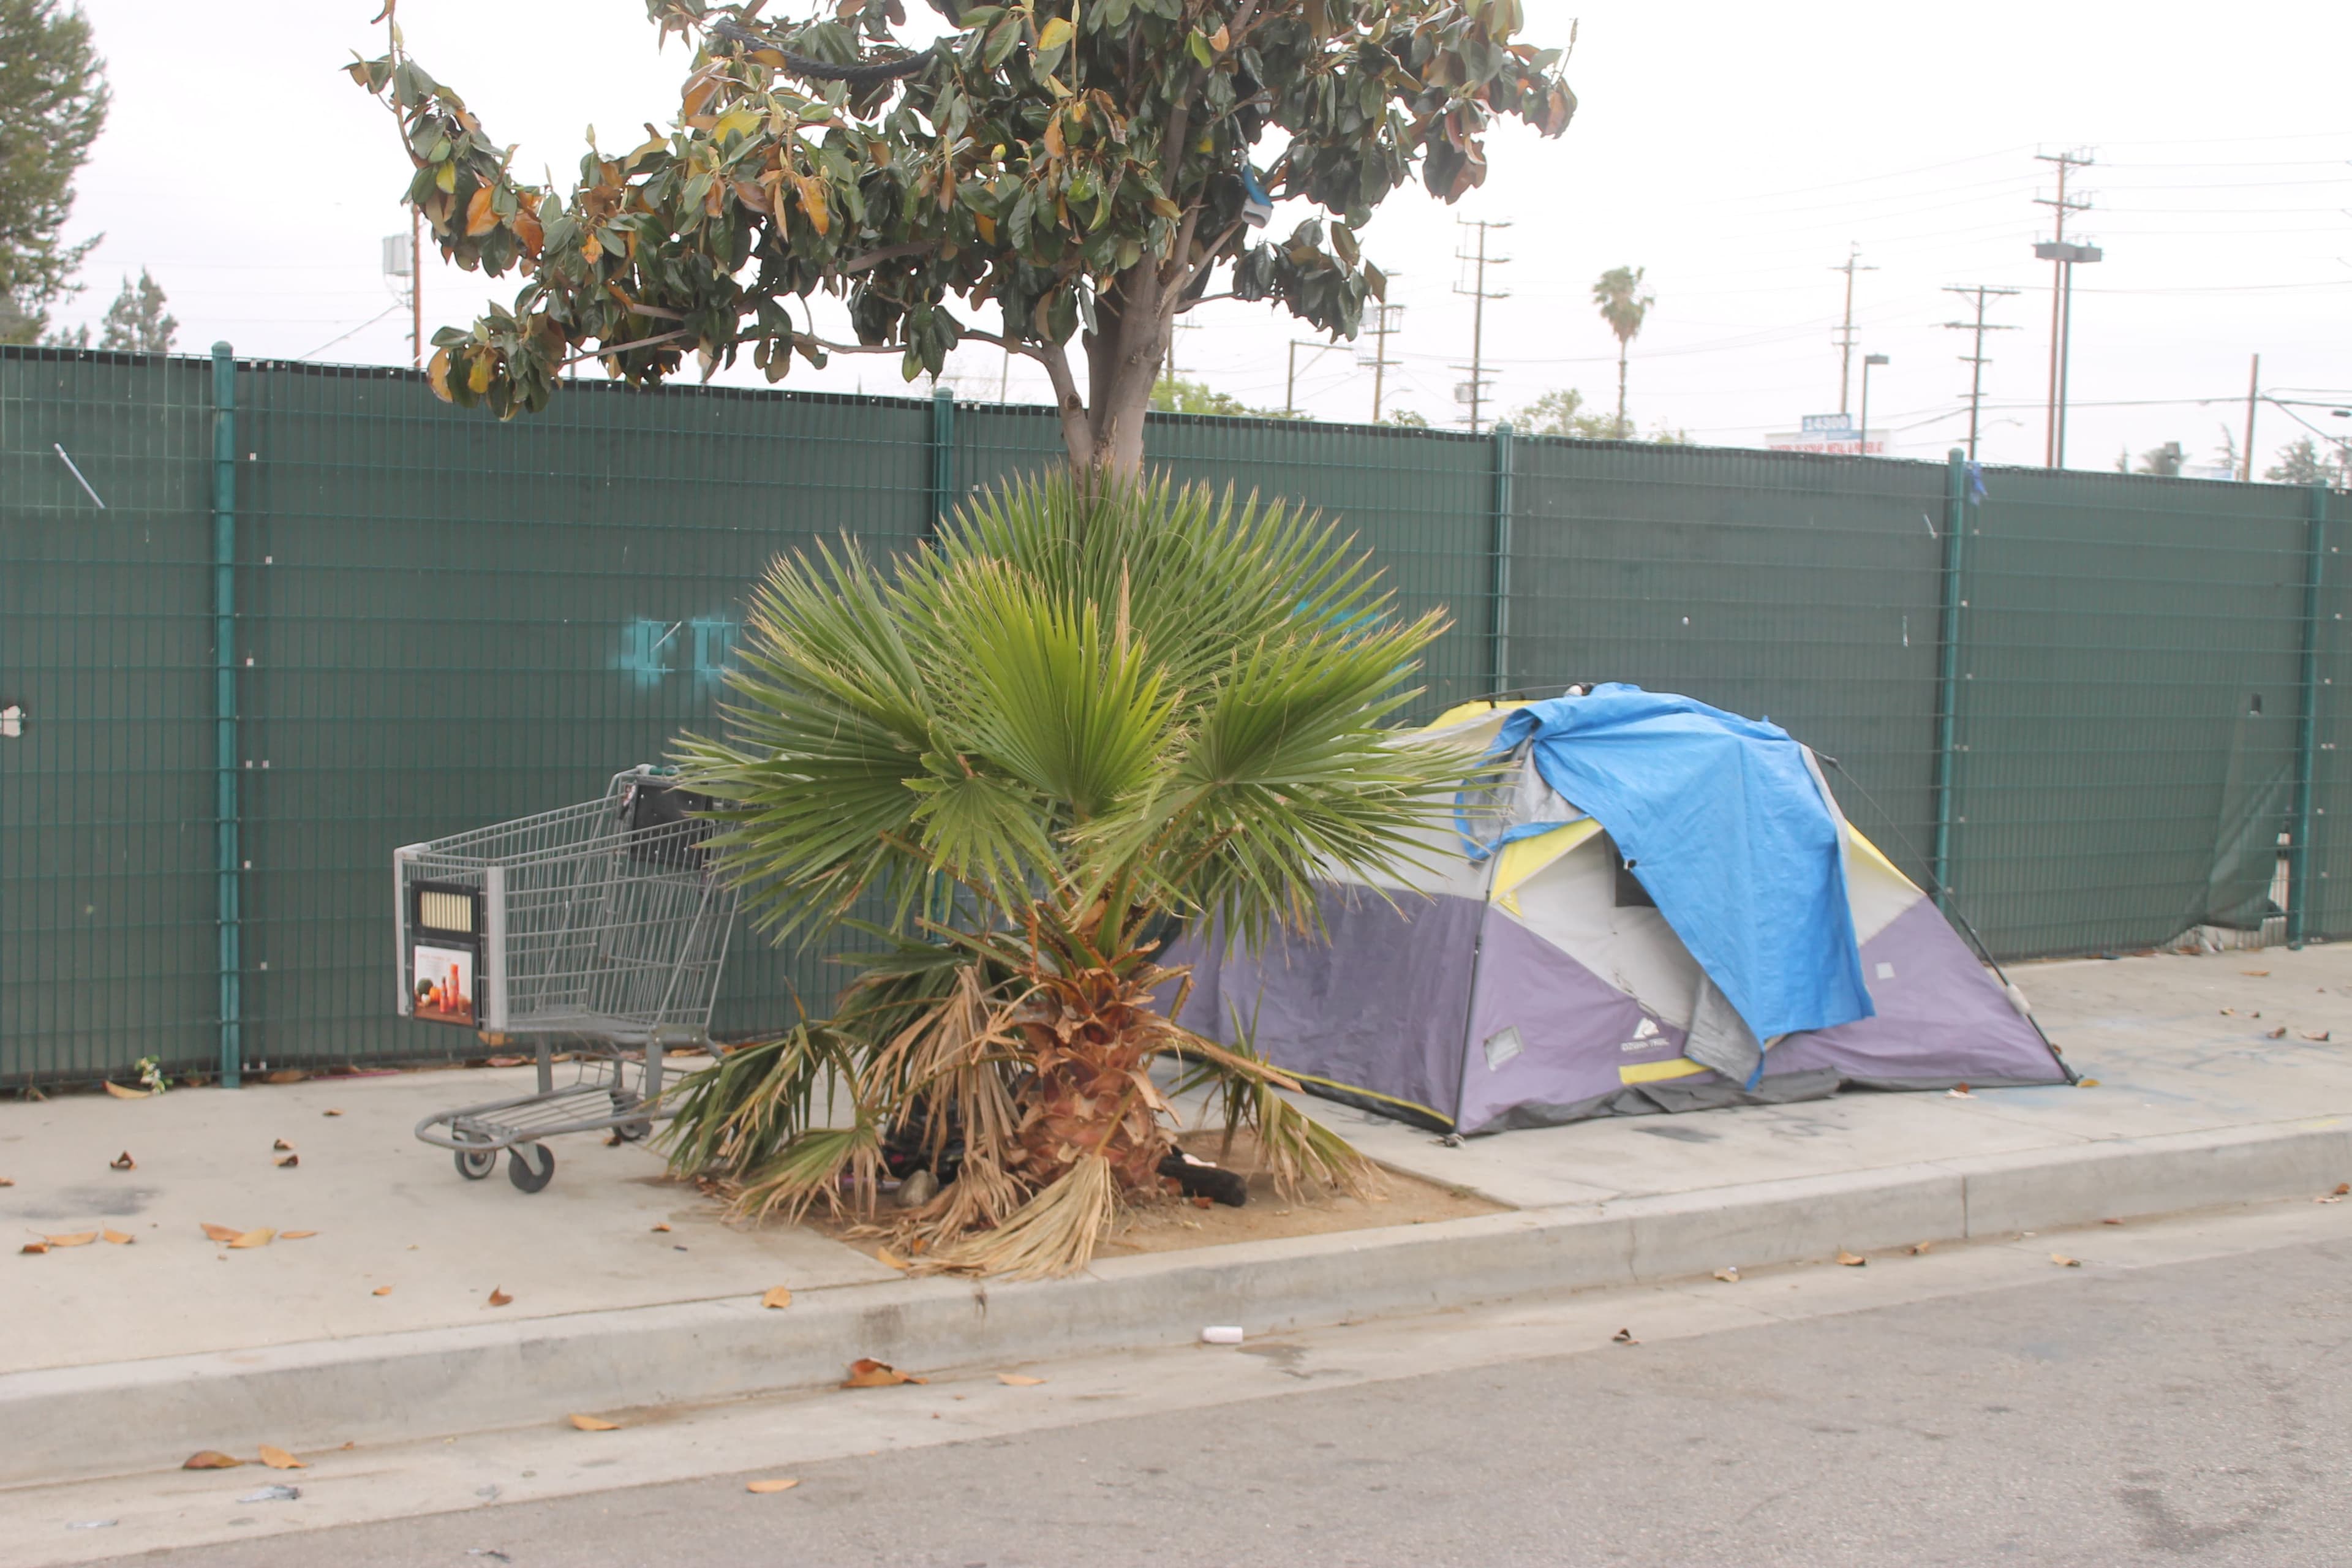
{"x": 1645, "y": 1038}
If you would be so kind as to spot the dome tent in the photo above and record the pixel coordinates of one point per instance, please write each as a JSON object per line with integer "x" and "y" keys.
{"x": 1655, "y": 906}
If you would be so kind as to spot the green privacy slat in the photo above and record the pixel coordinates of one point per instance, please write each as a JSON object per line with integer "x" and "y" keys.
{"x": 451, "y": 621}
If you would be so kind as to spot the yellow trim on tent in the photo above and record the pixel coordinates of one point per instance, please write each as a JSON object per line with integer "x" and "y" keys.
{"x": 1366, "y": 1093}
{"x": 1463, "y": 712}
{"x": 1871, "y": 852}
{"x": 1655, "y": 1072}
{"x": 1523, "y": 857}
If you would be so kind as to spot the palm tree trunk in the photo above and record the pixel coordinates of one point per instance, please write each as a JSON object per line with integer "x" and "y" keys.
{"x": 1621, "y": 346}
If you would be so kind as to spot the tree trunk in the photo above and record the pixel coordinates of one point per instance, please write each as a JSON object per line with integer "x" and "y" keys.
{"x": 1621, "y": 346}
{"x": 1103, "y": 429}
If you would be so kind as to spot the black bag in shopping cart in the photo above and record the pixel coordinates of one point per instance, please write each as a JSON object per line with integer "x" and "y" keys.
{"x": 663, "y": 830}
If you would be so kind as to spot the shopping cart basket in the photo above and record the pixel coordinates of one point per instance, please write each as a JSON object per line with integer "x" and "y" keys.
{"x": 603, "y": 925}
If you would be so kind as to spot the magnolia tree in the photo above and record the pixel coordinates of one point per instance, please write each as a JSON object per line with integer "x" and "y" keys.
{"x": 1042, "y": 172}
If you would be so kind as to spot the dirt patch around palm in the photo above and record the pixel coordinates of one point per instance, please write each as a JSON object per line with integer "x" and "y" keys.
{"x": 1176, "y": 1224}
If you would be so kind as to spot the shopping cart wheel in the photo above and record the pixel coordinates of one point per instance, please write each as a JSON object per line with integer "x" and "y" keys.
{"x": 530, "y": 1166}
{"x": 623, "y": 1102}
{"x": 475, "y": 1163}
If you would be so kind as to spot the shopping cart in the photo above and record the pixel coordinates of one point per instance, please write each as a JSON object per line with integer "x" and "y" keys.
{"x": 601, "y": 925}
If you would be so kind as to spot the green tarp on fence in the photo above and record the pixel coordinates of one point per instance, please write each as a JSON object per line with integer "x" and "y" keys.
{"x": 441, "y": 621}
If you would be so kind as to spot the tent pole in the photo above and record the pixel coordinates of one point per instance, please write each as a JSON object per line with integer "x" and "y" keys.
{"x": 2298, "y": 873}
{"x": 1948, "y": 673}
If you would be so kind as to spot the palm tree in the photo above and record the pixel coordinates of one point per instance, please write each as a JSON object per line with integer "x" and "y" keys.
{"x": 1084, "y": 712}
{"x": 1622, "y": 304}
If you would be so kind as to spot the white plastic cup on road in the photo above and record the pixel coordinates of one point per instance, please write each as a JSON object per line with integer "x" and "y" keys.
{"x": 1221, "y": 1334}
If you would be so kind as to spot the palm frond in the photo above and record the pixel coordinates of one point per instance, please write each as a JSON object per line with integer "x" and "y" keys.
{"x": 1056, "y": 1232}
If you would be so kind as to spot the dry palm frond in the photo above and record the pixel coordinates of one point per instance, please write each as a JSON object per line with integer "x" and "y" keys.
{"x": 1054, "y": 1233}
{"x": 813, "y": 1166}
{"x": 1296, "y": 1149}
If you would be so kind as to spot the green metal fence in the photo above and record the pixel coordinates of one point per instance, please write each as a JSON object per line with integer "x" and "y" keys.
{"x": 2095, "y": 703}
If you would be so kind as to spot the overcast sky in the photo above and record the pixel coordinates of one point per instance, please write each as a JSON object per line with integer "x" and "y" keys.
{"x": 1734, "y": 151}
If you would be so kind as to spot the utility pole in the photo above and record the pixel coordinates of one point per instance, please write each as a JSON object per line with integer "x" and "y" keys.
{"x": 1976, "y": 361}
{"x": 2061, "y": 257}
{"x": 1386, "y": 319}
{"x": 1852, "y": 264}
{"x": 1474, "y": 391}
{"x": 2246, "y": 462}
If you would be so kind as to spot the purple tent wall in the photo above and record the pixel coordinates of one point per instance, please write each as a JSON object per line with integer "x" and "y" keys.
{"x": 1379, "y": 1008}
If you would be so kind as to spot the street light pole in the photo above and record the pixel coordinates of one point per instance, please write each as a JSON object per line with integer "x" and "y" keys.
{"x": 1862, "y": 447}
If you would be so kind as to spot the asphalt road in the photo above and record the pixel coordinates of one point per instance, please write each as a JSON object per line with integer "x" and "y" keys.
{"x": 2190, "y": 1412}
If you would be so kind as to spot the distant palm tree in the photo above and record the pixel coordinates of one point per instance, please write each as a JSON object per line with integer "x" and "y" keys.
{"x": 1622, "y": 303}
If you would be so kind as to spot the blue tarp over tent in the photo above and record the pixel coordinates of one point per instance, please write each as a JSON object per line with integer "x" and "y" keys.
{"x": 1725, "y": 823}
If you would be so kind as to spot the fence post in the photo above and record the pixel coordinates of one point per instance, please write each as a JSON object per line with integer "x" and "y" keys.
{"x": 2306, "y": 729}
{"x": 943, "y": 493}
{"x": 225, "y": 744}
{"x": 1500, "y": 681}
{"x": 1949, "y": 673}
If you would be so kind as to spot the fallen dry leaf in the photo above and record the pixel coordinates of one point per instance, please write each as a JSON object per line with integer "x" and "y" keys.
{"x": 380, "y": 1290}
{"x": 36, "y": 1248}
{"x": 1854, "y": 1260}
{"x": 594, "y": 1424}
{"x": 2343, "y": 1189}
{"x": 1624, "y": 1337}
{"x": 261, "y": 1238}
{"x": 2229, "y": 1012}
{"x": 122, "y": 1162}
{"x": 1729, "y": 1276}
{"x": 1921, "y": 1248}
{"x": 78, "y": 1238}
{"x": 120, "y": 1092}
{"x": 499, "y": 1298}
{"x": 336, "y": 1112}
{"x": 288, "y": 1075}
{"x": 664, "y": 1225}
{"x": 7, "y": 1181}
{"x": 287, "y": 1162}
{"x": 281, "y": 1145}
{"x": 884, "y": 1255}
{"x": 2063, "y": 1261}
{"x": 2087, "y": 1083}
{"x": 2277, "y": 1033}
{"x": 1016, "y": 1380}
{"x": 2111, "y": 1222}
{"x": 277, "y": 1459}
{"x": 772, "y": 1484}
{"x": 2314, "y": 1034}
{"x": 210, "y": 1460}
{"x": 296, "y": 1235}
{"x": 222, "y": 1232}
{"x": 1203, "y": 1200}
{"x": 868, "y": 1373}
{"x": 777, "y": 1296}
{"x": 117, "y": 1237}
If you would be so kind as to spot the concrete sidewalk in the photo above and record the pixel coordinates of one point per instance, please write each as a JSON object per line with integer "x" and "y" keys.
{"x": 129, "y": 1356}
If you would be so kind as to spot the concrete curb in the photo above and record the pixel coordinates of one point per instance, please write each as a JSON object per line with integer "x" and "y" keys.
{"x": 126, "y": 1417}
